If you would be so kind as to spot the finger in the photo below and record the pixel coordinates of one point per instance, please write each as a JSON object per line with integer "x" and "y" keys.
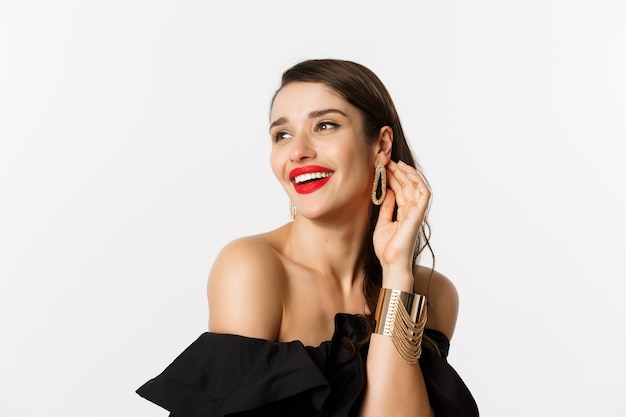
{"x": 413, "y": 195}
{"x": 405, "y": 200}
{"x": 405, "y": 186}
{"x": 412, "y": 173}
{"x": 417, "y": 178}
{"x": 401, "y": 177}
{"x": 386, "y": 208}
{"x": 421, "y": 183}
{"x": 397, "y": 186}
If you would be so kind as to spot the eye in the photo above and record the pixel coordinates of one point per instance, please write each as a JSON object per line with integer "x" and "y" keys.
{"x": 278, "y": 136}
{"x": 326, "y": 125}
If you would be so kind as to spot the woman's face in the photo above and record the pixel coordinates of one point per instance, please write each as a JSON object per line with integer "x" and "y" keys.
{"x": 319, "y": 151}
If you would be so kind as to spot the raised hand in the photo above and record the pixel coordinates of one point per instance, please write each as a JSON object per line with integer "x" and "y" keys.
{"x": 394, "y": 241}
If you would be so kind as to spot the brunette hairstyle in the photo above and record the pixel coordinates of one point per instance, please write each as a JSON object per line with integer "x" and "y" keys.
{"x": 360, "y": 87}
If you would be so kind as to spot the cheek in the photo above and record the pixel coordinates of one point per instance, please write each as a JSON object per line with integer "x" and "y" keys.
{"x": 359, "y": 158}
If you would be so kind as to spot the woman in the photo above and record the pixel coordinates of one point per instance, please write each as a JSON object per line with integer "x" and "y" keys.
{"x": 298, "y": 323}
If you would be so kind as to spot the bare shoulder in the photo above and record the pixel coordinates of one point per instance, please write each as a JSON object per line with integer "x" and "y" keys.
{"x": 246, "y": 289}
{"x": 443, "y": 299}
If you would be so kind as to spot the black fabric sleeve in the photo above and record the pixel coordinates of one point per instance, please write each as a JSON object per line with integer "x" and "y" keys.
{"x": 447, "y": 393}
{"x": 221, "y": 375}
{"x": 227, "y": 375}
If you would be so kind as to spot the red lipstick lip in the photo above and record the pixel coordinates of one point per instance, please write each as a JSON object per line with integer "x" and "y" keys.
{"x": 307, "y": 170}
{"x": 311, "y": 186}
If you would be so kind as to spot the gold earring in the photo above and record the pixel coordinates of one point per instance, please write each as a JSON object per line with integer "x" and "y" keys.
{"x": 379, "y": 176}
{"x": 292, "y": 210}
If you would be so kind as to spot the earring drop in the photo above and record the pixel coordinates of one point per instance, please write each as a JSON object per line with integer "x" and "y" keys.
{"x": 379, "y": 176}
{"x": 292, "y": 210}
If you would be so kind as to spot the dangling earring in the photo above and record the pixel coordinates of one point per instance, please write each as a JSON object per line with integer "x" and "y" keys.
{"x": 381, "y": 175}
{"x": 292, "y": 210}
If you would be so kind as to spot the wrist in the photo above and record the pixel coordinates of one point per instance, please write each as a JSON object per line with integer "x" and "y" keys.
{"x": 402, "y": 316}
{"x": 398, "y": 277}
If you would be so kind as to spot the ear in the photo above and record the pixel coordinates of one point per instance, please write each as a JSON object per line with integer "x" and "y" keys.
{"x": 383, "y": 145}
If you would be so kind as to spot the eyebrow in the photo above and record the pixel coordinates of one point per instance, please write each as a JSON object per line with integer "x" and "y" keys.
{"x": 312, "y": 115}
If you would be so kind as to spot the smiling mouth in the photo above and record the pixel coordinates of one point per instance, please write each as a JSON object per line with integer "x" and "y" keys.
{"x": 310, "y": 177}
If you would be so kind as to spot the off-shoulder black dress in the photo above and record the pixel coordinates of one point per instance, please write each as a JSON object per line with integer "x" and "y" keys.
{"x": 229, "y": 375}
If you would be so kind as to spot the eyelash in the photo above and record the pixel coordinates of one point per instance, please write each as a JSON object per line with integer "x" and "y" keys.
{"x": 331, "y": 125}
{"x": 277, "y": 137}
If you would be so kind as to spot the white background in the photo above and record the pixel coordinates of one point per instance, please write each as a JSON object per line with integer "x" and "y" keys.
{"x": 133, "y": 146}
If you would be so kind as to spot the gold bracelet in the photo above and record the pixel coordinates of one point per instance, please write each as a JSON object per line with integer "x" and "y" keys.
{"x": 402, "y": 316}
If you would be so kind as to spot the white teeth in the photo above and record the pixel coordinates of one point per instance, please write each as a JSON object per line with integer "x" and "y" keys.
{"x": 311, "y": 176}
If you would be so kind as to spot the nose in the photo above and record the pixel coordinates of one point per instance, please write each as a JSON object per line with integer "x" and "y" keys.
{"x": 301, "y": 148}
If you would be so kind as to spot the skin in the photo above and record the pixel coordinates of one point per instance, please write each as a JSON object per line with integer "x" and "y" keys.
{"x": 297, "y": 277}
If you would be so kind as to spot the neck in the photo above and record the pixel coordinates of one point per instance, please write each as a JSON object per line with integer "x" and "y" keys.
{"x": 332, "y": 247}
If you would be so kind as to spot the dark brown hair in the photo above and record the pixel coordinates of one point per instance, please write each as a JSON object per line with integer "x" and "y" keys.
{"x": 360, "y": 87}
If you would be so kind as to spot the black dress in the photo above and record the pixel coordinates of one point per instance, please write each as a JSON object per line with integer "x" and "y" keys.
{"x": 229, "y": 375}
